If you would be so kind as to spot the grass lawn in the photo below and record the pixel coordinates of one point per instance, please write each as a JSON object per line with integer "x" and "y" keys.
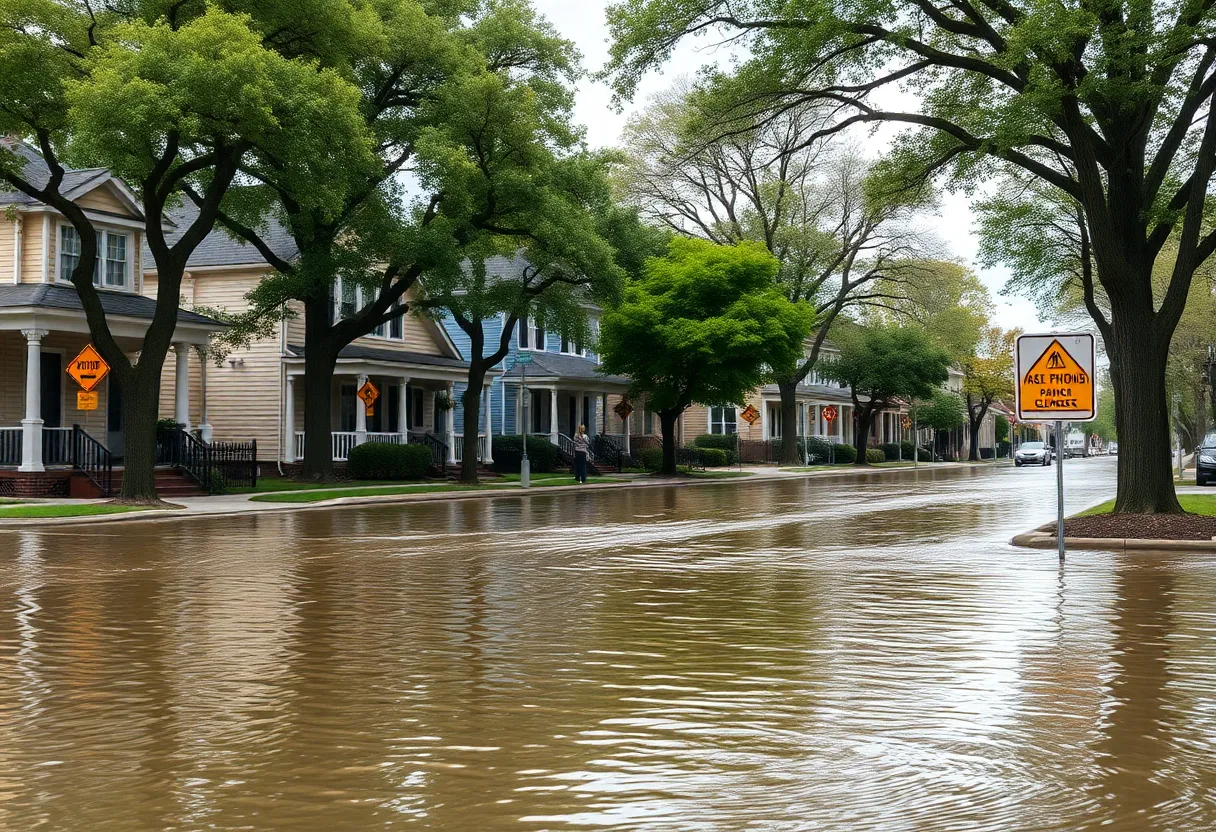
{"x": 84, "y": 510}
{"x": 716, "y": 475}
{"x": 316, "y": 496}
{"x": 272, "y": 484}
{"x": 1204, "y": 504}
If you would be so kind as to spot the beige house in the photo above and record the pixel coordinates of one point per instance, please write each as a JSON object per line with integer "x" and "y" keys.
{"x": 257, "y": 392}
{"x": 48, "y": 446}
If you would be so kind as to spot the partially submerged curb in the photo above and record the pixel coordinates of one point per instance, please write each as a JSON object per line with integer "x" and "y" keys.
{"x": 1044, "y": 537}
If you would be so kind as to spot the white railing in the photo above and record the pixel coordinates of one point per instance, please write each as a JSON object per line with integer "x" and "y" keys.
{"x": 483, "y": 447}
{"x": 341, "y": 442}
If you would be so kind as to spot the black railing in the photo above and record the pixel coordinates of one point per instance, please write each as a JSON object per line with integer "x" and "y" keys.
{"x": 10, "y": 446}
{"x": 439, "y": 448}
{"x": 606, "y": 450}
{"x": 93, "y": 459}
{"x": 214, "y": 466}
{"x": 57, "y": 446}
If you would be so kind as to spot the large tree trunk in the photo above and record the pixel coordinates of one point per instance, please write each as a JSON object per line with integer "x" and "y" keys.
{"x": 789, "y": 423}
{"x": 668, "y": 419}
{"x": 865, "y": 423}
{"x": 319, "y": 362}
{"x": 975, "y": 420}
{"x": 141, "y": 403}
{"x": 1137, "y": 370}
{"x": 472, "y": 419}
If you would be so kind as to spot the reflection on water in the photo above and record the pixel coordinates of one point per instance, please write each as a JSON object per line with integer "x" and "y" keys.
{"x": 833, "y": 654}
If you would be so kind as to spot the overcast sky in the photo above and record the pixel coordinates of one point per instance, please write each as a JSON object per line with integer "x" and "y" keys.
{"x": 583, "y": 22}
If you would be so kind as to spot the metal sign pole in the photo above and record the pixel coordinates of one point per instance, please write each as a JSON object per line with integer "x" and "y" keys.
{"x": 1060, "y": 491}
{"x": 525, "y": 466}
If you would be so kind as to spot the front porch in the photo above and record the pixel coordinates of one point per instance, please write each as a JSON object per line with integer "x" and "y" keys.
{"x": 49, "y": 446}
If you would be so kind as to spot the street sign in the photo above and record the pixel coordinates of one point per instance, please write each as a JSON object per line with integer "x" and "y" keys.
{"x": 906, "y": 422}
{"x": 86, "y": 401}
{"x": 88, "y": 368}
{"x": 750, "y": 415}
{"x": 830, "y": 413}
{"x": 623, "y": 409}
{"x": 523, "y": 358}
{"x": 1056, "y": 378}
{"x": 368, "y": 395}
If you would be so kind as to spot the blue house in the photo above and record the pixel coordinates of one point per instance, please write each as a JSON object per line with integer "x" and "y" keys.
{"x": 565, "y": 386}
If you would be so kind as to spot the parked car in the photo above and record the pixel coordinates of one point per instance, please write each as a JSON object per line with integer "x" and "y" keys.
{"x": 1205, "y": 460}
{"x": 1113, "y": 448}
{"x": 1032, "y": 453}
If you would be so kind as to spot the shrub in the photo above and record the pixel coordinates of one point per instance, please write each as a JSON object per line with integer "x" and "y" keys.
{"x": 875, "y": 456}
{"x": 509, "y": 450}
{"x": 817, "y": 450}
{"x": 386, "y": 461}
{"x": 844, "y": 454}
{"x": 891, "y": 451}
{"x": 908, "y": 449}
{"x": 651, "y": 458}
{"x": 723, "y": 441}
{"x": 713, "y": 457}
{"x": 1002, "y": 449}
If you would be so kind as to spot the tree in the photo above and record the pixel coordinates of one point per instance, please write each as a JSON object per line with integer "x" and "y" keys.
{"x": 1109, "y": 105}
{"x": 943, "y": 412}
{"x": 822, "y": 213}
{"x": 987, "y": 378}
{"x": 882, "y": 363}
{"x": 571, "y": 262}
{"x": 475, "y": 108}
{"x": 947, "y": 301}
{"x": 171, "y": 101}
{"x": 701, "y": 325}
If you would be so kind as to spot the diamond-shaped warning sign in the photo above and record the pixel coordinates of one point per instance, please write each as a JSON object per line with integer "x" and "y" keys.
{"x": 88, "y": 368}
{"x": 1056, "y": 377}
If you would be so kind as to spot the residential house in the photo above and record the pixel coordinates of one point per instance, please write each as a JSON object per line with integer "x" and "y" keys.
{"x": 561, "y": 387}
{"x": 257, "y": 392}
{"x": 44, "y": 435}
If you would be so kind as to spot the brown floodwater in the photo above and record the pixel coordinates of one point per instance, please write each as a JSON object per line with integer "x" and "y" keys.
{"x": 838, "y": 654}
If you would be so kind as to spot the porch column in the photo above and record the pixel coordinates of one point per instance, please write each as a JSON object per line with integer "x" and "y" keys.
{"x": 181, "y": 386}
{"x": 204, "y": 428}
{"x": 360, "y": 414}
{"x": 626, "y": 421}
{"x": 289, "y": 421}
{"x": 31, "y": 425}
{"x": 519, "y": 410}
{"x": 580, "y": 416}
{"x": 553, "y": 415}
{"x": 450, "y": 427}
{"x": 403, "y": 407}
{"x": 488, "y": 395}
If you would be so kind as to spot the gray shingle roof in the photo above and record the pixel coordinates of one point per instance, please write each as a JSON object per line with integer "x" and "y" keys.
{"x": 37, "y": 173}
{"x": 555, "y": 365}
{"x": 360, "y": 352}
{"x": 825, "y": 392}
{"x": 220, "y": 249}
{"x": 55, "y": 296}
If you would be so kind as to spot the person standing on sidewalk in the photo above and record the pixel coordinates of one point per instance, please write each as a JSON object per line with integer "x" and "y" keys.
{"x": 582, "y": 443}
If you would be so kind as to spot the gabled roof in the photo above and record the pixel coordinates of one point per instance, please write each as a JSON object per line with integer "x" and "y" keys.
{"x": 219, "y": 248}
{"x": 363, "y": 353}
{"x": 56, "y": 296}
{"x": 76, "y": 182}
{"x": 556, "y": 365}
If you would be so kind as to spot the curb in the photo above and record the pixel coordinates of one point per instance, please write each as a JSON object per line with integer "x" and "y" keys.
{"x": 165, "y": 515}
{"x": 1040, "y": 539}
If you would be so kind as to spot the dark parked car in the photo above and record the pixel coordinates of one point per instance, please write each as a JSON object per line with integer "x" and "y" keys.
{"x": 1205, "y": 460}
{"x": 1032, "y": 453}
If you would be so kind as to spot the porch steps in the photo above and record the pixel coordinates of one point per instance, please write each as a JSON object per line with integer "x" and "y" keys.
{"x": 170, "y": 483}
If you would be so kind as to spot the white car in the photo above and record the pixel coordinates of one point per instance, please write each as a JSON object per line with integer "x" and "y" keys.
{"x": 1032, "y": 453}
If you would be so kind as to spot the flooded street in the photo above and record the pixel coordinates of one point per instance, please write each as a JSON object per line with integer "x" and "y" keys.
{"x": 834, "y": 654}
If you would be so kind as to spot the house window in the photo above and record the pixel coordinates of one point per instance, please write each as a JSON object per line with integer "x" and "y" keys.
{"x": 348, "y": 299}
{"x": 113, "y": 257}
{"x": 723, "y": 420}
{"x": 396, "y": 327}
{"x": 536, "y": 335}
{"x": 521, "y": 336}
{"x": 417, "y": 410}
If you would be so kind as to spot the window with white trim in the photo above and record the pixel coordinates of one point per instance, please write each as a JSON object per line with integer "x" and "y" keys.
{"x": 723, "y": 420}
{"x": 536, "y": 336}
{"x": 114, "y": 267}
{"x": 349, "y": 299}
{"x": 571, "y": 347}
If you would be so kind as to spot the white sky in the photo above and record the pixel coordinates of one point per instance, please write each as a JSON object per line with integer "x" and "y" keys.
{"x": 583, "y": 22}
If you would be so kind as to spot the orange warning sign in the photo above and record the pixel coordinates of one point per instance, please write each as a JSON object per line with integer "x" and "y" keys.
{"x": 88, "y": 368}
{"x": 750, "y": 415}
{"x": 1056, "y": 377}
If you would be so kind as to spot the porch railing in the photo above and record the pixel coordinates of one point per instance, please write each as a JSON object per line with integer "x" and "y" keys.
{"x": 93, "y": 459}
{"x": 439, "y": 448}
{"x": 483, "y": 443}
{"x": 213, "y": 466}
{"x": 10, "y": 446}
{"x": 57, "y": 446}
{"x": 341, "y": 442}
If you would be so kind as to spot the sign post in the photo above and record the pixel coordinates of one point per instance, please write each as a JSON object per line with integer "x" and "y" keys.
{"x": 368, "y": 395}
{"x": 88, "y": 369}
{"x": 523, "y": 359}
{"x": 829, "y": 415}
{"x": 1056, "y": 383}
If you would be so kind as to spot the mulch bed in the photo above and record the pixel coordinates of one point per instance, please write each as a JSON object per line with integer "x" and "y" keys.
{"x": 1142, "y": 526}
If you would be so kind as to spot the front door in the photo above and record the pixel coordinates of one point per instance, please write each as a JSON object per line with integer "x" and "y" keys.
{"x": 572, "y": 416}
{"x": 52, "y": 390}
{"x": 115, "y": 439}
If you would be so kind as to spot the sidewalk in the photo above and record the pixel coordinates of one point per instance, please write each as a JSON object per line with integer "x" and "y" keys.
{"x": 227, "y": 505}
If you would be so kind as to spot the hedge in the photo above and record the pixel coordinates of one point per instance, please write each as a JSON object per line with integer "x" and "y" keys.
{"x": 542, "y": 454}
{"x": 891, "y": 451}
{"x": 727, "y": 442}
{"x": 908, "y": 449}
{"x": 386, "y": 461}
{"x": 651, "y": 458}
{"x": 875, "y": 456}
{"x": 844, "y": 454}
{"x": 713, "y": 457}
